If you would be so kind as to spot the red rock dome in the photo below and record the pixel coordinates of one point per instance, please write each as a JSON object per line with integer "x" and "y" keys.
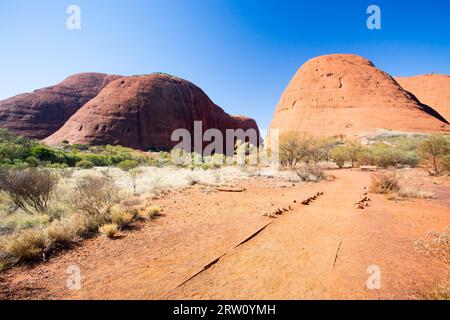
{"x": 42, "y": 112}
{"x": 346, "y": 95}
{"x": 141, "y": 112}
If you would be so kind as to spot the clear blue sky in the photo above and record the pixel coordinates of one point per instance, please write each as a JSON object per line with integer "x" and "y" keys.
{"x": 242, "y": 53}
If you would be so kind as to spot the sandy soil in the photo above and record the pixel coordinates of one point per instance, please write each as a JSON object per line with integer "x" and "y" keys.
{"x": 320, "y": 251}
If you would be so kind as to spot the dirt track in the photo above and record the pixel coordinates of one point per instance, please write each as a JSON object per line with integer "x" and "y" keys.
{"x": 318, "y": 251}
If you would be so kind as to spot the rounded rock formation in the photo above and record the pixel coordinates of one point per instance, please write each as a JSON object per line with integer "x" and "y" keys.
{"x": 141, "y": 112}
{"x": 42, "y": 112}
{"x": 431, "y": 89}
{"x": 346, "y": 95}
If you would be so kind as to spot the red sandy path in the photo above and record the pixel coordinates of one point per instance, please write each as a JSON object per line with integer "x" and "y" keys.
{"x": 292, "y": 258}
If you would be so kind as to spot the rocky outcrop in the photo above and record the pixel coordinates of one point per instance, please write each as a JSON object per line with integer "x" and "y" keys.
{"x": 44, "y": 111}
{"x": 346, "y": 95}
{"x": 431, "y": 89}
{"x": 141, "y": 112}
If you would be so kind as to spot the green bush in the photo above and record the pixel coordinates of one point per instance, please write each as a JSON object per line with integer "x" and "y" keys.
{"x": 99, "y": 160}
{"x": 366, "y": 158}
{"x": 47, "y": 154}
{"x": 85, "y": 164}
{"x": 32, "y": 161}
{"x": 128, "y": 165}
{"x": 433, "y": 150}
{"x": 386, "y": 156}
{"x": 411, "y": 159}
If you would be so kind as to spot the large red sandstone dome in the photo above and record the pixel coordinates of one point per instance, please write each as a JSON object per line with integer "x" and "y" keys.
{"x": 141, "y": 112}
{"x": 42, "y": 112}
{"x": 431, "y": 89}
{"x": 346, "y": 95}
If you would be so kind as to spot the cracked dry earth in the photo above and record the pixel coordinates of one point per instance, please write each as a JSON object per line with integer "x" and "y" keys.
{"x": 219, "y": 245}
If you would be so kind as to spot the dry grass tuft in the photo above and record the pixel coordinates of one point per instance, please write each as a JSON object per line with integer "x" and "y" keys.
{"x": 310, "y": 173}
{"x": 411, "y": 192}
{"x": 436, "y": 244}
{"x": 123, "y": 218}
{"x": 109, "y": 230}
{"x": 439, "y": 292}
{"x": 24, "y": 246}
{"x": 153, "y": 212}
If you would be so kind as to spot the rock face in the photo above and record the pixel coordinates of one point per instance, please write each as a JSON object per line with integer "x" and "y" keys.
{"x": 433, "y": 90}
{"x": 42, "y": 112}
{"x": 141, "y": 112}
{"x": 346, "y": 95}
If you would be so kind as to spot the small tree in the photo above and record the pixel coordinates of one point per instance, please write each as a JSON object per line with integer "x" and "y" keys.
{"x": 29, "y": 189}
{"x": 433, "y": 149}
{"x": 294, "y": 147}
{"x": 354, "y": 148}
{"x": 340, "y": 156}
{"x": 134, "y": 175}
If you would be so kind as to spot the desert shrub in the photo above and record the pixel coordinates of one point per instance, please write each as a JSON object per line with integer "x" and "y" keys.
{"x": 153, "y": 212}
{"x": 85, "y": 164}
{"x": 410, "y": 158}
{"x": 340, "y": 156}
{"x": 366, "y": 157}
{"x": 109, "y": 230}
{"x": 386, "y": 156}
{"x": 433, "y": 150}
{"x": 95, "y": 196}
{"x": 128, "y": 165}
{"x": 29, "y": 189}
{"x": 384, "y": 183}
{"x": 24, "y": 246}
{"x": 310, "y": 172}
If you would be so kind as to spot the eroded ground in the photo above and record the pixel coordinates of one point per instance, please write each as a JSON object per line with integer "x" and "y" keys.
{"x": 320, "y": 251}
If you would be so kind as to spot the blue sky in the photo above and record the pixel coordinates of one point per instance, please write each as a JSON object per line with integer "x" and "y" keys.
{"x": 242, "y": 53}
